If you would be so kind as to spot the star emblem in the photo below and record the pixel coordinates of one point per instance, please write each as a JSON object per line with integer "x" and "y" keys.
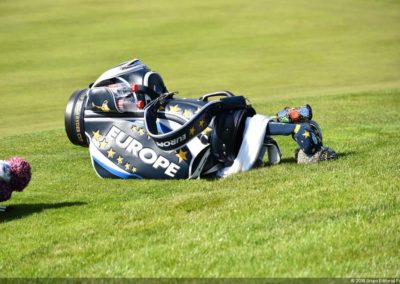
{"x": 192, "y": 130}
{"x": 141, "y": 131}
{"x": 120, "y": 160}
{"x": 133, "y": 170}
{"x": 111, "y": 153}
{"x": 306, "y": 134}
{"x": 103, "y": 144}
{"x": 96, "y": 135}
{"x": 174, "y": 108}
{"x": 127, "y": 166}
{"x": 187, "y": 113}
{"x": 181, "y": 155}
{"x": 134, "y": 128}
{"x": 201, "y": 123}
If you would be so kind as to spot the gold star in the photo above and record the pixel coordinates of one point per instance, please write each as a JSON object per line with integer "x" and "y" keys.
{"x": 192, "y": 131}
{"x": 174, "y": 108}
{"x": 181, "y": 155}
{"x": 127, "y": 166}
{"x": 187, "y": 113}
{"x": 103, "y": 144}
{"x": 201, "y": 123}
{"x": 306, "y": 134}
{"x": 120, "y": 160}
{"x": 111, "y": 153}
{"x": 134, "y": 128}
{"x": 96, "y": 135}
{"x": 141, "y": 131}
{"x": 133, "y": 170}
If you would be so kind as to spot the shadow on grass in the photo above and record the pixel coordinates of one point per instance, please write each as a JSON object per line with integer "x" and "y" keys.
{"x": 290, "y": 160}
{"x": 22, "y": 210}
{"x": 345, "y": 154}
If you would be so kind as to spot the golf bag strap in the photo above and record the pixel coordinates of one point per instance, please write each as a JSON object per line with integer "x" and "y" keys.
{"x": 179, "y": 137}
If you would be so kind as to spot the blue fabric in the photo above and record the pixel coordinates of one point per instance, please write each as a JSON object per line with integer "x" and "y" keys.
{"x": 279, "y": 128}
{"x": 306, "y": 136}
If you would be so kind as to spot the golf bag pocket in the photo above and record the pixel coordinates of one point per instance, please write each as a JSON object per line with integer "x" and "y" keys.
{"x": 102, "y": 99}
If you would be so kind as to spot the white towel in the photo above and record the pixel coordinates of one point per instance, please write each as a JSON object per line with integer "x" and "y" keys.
{"x": 251, "y": 148}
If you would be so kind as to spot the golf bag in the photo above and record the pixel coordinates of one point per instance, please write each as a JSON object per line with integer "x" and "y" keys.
{"x": 135, "y": 128}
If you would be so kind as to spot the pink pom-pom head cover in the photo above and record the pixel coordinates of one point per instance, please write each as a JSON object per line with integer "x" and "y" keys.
{"x": 20, "y": 173}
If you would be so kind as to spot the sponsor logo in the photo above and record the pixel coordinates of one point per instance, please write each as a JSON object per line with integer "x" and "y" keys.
{"x": 77, "y": 112}
{"x": 104, "y": 106}
{"x": 147, "y": 155}
{"x": 172, "y": 142}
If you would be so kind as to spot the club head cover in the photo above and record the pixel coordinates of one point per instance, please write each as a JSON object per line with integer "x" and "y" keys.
{"x": 5, "y": 191}
{"x": 308, "y": 137}
{"x": 5, "y": 177}
{"x": 295, "y": 114}
{"x": 15, "y": 173}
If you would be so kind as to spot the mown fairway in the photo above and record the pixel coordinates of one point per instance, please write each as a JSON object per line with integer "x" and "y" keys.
{"x": 338, "y": 218}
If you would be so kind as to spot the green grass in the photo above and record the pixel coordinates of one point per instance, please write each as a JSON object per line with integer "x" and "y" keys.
{"x": 334, "y": 219}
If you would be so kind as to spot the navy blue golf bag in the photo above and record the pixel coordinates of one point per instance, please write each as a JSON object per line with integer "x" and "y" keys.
{"x": 135, "y": 128}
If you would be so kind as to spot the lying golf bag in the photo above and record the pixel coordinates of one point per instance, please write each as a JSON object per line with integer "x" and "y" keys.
{"x": 135, "y": 128}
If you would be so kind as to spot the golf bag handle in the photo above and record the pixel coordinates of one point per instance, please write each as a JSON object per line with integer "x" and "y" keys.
{"x": 179, "y": 137}
{"x": 216, "y": 94}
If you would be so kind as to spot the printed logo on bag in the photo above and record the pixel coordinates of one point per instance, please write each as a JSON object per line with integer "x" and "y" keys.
{"x": 147, "y": 155}
{"x": 172, "y": 142}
